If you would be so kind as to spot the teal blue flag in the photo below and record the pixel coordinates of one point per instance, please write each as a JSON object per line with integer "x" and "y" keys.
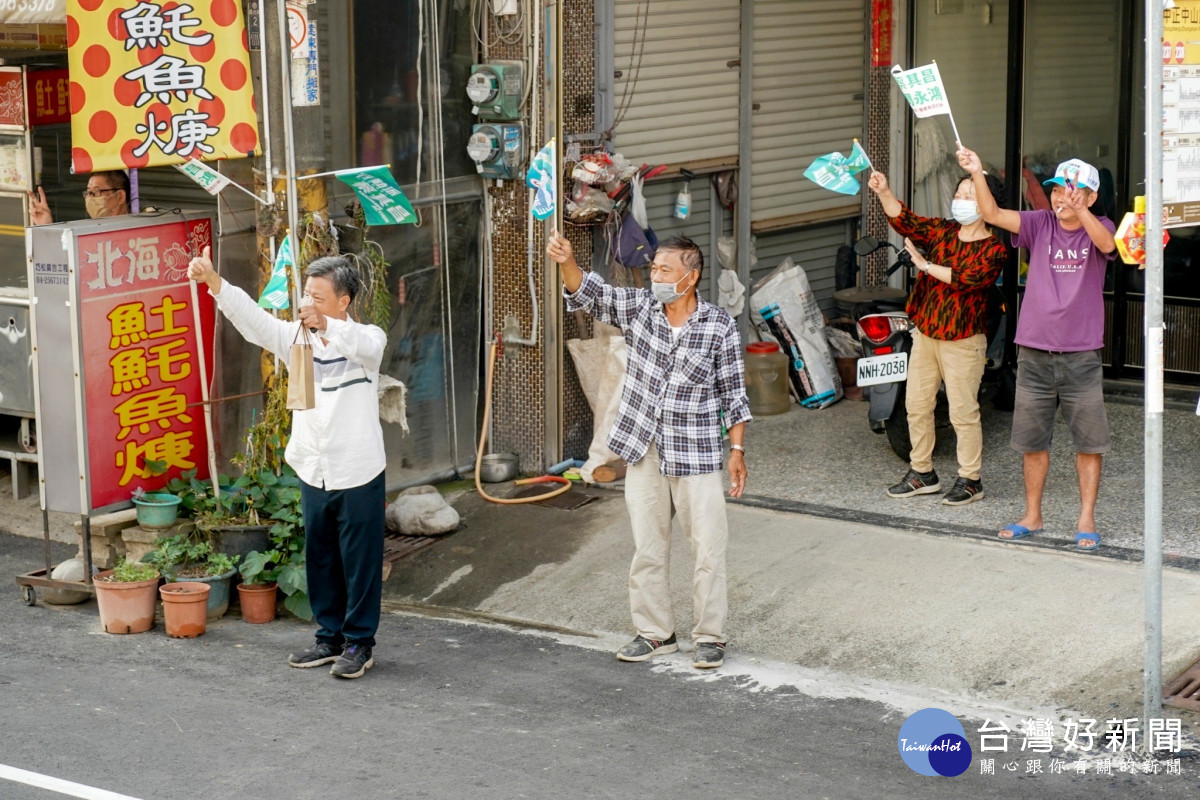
{"x": 832, "y": 172}
{"x": 275, "y": 293}
{"x": 540, "y": 178}
{"x": 858, "y": 161}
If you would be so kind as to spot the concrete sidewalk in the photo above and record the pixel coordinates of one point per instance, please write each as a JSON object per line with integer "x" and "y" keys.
{"x": 1024, "y": 625}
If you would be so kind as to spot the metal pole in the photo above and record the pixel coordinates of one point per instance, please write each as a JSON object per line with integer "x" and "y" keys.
{"x": 745, "y": 158}
{"x": 285, "y": 74}
{"x": 1152, "y": 566}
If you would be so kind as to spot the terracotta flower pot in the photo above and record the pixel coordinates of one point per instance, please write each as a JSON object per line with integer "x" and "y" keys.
{"x": 185, "y": 607}
{"x": 257, "y": 601}
{"x": 125, "y": 607}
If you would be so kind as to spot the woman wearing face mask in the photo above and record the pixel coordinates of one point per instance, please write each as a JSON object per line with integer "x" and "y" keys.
{"x": 107, "y": 195}
{"x": 948, "y": 308}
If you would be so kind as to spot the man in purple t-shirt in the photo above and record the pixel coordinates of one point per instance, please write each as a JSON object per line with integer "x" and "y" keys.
{"x": 1060, "y": 333}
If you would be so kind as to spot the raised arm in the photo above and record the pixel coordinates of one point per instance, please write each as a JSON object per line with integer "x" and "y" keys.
{"x": 255, "y": 324}
{"x": 1100, "y": 235}
{"x": 992, "y": 214}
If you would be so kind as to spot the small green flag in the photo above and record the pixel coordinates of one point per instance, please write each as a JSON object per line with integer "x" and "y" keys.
{"x": 380, "y": 195}
{"x": 275, "y": 293}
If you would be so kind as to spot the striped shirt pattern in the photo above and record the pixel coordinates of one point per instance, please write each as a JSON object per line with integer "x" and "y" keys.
{"x": 674, "y": 388}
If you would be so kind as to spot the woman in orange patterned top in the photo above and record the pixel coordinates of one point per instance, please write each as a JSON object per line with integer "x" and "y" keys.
{"x": 948, "y": 307}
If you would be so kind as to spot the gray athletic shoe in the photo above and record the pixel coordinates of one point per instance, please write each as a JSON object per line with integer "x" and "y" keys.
{"x": 315, "y": 655}
{"x": 642, "y": 648}
{"x": 354, "y": 662}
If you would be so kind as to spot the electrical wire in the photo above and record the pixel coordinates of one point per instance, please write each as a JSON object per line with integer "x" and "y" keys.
{"x": 637, "y": 50}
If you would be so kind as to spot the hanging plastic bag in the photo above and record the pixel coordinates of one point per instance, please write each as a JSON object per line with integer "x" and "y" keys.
{"x": 637, "y": 204}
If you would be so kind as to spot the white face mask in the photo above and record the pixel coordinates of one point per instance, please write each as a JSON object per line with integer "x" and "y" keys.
{"x": 665, "y": 293}
{"x": 964, "y": 211}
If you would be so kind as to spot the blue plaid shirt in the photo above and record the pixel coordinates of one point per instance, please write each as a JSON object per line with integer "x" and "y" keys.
{"x": 673, "y": 389}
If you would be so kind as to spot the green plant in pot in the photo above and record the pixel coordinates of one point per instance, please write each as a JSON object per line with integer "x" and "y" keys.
{"x": 191, "y": 557}
{"x": 126, "y": 597}
{"x": 283, "y": 561}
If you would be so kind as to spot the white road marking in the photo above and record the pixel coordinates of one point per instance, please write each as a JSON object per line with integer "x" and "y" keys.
{"x": 58, "y": 785}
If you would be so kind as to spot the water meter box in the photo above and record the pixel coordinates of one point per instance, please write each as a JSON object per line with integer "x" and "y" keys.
{"x": 16, "y": 353}
{"x": 498, "y": 149}
{"x": 496, "y": 89}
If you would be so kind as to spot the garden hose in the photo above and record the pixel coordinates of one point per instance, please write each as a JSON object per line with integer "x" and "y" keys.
{"x": 487, "y": 418}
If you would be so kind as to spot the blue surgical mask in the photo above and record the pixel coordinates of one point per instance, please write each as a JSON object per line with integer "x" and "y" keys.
{"x": 964, "y": 211}
{"x": 666, "y": 293}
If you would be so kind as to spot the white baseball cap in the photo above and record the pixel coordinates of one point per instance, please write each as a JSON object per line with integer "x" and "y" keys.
{"x": 1075, "y": 173}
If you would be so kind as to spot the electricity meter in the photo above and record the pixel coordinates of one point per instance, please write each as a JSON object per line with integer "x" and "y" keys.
{"x": 498, "y": 149}
{"x": 496, "y": 89}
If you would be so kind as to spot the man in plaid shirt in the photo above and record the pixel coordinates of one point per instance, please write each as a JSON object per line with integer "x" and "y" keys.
{"x": 684, "y": 371}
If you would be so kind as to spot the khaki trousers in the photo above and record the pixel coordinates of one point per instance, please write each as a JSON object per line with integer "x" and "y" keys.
{"x": 698, "y": 502}
{"x": 959, "y": 364}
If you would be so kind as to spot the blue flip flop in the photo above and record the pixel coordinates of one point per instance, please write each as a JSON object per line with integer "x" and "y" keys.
{"x": 1018, "y": 532}
{"x": 1081, "y": 536}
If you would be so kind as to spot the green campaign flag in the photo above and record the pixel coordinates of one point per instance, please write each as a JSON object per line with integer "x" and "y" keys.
{"x": 275, "y": 293}
{"x": 832, "y": 172}
{"x": 858, "y": 161}
{"x": 381, "y": 198}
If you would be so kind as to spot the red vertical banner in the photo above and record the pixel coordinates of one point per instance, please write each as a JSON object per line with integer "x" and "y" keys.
{"x": 12, "y": 98}
{"x": 145, "y": 417}
{"x": 49, "y": 96}
{"x": 881, "y": 33}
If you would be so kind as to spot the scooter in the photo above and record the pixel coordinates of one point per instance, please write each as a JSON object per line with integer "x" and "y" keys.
{"x": 886, "y": 339}
{"x": 885, "y": 333}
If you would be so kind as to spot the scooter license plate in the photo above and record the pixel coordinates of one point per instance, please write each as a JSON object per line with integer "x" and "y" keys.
{"x": 891, "y": 368}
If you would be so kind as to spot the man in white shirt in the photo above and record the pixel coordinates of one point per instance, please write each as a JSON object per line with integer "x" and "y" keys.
{"x": 336, "y": 450}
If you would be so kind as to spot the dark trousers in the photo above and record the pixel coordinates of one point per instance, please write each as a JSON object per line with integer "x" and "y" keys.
{"x": 343, "y": 535}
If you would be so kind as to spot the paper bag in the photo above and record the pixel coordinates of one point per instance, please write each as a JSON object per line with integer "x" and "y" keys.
{"x": 302, "y": 393}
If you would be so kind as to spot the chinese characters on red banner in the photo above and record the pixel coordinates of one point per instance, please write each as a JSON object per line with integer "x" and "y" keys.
{"x": 140, "y": 356}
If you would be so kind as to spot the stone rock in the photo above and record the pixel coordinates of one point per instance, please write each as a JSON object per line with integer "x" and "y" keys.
{"x": 421, "y": 511}
{"x": 69, "y": 570}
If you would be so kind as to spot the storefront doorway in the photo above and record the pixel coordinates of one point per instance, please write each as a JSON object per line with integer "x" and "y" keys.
{"x": 1036, "y": 82}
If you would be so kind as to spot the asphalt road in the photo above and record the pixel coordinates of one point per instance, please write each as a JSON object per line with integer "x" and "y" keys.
{"x": 451, "y": 710}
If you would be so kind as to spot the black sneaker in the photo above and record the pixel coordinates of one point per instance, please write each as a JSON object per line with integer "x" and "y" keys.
{"x": 642, "y": 648}
{"x": 317, "y": 654}
{"x": 709, "y": 655}
{"x": 354, "y": 662}
{"x": 915, "y": 483}
{"x": 964, "y": 491}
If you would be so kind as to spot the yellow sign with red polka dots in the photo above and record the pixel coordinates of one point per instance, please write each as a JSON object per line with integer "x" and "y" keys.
{"x": 155, "y": 83}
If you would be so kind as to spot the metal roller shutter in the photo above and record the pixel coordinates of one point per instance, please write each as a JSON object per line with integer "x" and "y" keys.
{"x": 808, "y": 88}
{"x": 814, "y": 248}
{"x": 681, "y": 95}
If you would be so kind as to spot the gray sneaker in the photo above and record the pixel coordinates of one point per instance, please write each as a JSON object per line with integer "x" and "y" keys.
{"x": 642, "y": 648}
{"x": 315, "y": 655}
{"x": 354, "y": 662}
{"x": 709, "y": 655}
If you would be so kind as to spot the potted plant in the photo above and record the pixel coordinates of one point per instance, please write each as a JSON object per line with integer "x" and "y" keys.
{"x": 191, "y": 557}
{"x": 185, "y": 607}
{"x": 126, "y": 596}
{"x": 264, "y": 501}
{"x": 258, "y": 589}
{"x": 265, "y": 498}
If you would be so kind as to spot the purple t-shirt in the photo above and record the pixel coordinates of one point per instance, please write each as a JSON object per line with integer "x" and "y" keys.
{"x": 1063, "y": 307}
